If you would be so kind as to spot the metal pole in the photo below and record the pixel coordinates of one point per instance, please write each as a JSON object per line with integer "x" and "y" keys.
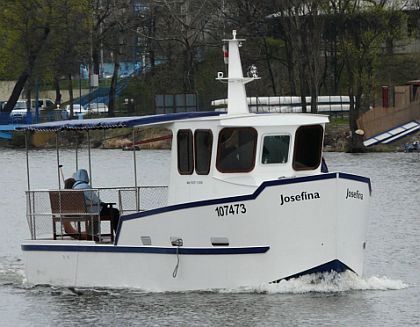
{"x": 135, "y": 170}
{"x": 58, "y": 160}
{"x": 77, "y": 153}
{"x": 29, "y": 199}
{"x": 80, "y": 87}
{"x": 27, "y": 160}
{"x": 36, "y": 100}
{"x": 90, "y": 162}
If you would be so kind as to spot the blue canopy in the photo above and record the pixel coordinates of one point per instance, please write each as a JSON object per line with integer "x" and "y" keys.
{"x": 117, "y": 122}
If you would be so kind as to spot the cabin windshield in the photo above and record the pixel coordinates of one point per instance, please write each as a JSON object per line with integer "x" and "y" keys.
{"x": 275, "y": 149}
{"x": 308, "y": 147}
{"x": 236, "y": 150}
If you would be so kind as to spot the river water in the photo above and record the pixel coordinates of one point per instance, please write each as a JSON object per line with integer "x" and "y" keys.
{"x": 387, "y": 295}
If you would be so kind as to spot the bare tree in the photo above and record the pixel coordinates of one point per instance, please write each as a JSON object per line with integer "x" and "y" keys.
{"x": 120, "y": 22}
{"x": 180, "y": 30}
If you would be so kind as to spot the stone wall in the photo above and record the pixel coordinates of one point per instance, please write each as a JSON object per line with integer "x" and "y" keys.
{"x": 6, "y": 88}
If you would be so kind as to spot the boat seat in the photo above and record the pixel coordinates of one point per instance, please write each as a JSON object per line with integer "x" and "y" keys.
{"x": 68, "y": 207}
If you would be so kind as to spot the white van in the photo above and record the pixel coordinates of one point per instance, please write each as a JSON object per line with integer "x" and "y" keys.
{"x": 43, "y": 103}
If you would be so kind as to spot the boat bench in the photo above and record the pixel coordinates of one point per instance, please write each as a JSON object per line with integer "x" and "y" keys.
{"x": 69, "y": 207}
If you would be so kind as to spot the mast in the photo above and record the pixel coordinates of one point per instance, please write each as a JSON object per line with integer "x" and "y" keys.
{"x": 237, "y": 100}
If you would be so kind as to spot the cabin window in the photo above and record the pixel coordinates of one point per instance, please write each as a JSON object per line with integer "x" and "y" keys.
{"x": 203, "y": 142}
{"x": 236, "y": 150}
{"x": 185, "y": 152}
{"x": 308, "y": 147}
{"x": 275, "y": 149}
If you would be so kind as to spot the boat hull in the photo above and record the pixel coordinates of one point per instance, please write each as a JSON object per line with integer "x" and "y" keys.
{"x": 284, "y": 229}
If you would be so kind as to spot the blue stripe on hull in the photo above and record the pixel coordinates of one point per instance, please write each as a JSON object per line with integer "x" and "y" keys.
{"x": 334, "y": 265}
{"x": 356, "y": 178}
{"x": 144, "y": 249}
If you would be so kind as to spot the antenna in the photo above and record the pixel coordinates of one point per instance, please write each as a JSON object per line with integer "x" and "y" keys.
{"x": 237, "y": 99}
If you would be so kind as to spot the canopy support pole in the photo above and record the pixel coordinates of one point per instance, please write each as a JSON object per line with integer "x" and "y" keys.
{"x": 90, "y": 161}
{"x": 30, "y": 218}
{"x": 57, "y": 147}
{"x": 27, "y": 160}
{"x": 77, "y": 154}
{"x": 135, "y": 171}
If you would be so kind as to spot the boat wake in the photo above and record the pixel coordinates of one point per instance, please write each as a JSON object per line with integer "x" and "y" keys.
{"x": 330, "y": 282}
{"x": 11, "y": 271}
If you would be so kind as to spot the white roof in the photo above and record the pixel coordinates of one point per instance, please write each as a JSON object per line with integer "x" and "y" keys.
{"x": 271, "y": 119}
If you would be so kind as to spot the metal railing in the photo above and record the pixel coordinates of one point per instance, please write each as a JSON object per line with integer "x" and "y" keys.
{"x": 53, "y": 214}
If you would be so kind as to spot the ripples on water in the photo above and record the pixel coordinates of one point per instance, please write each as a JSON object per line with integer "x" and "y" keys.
{"x": 388, "y": 294}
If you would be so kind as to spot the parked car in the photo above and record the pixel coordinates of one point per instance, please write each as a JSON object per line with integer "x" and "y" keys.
{"x": 77, "y": 109}
{"x": 19, "y": 112}
{"x": 97, "y": 107}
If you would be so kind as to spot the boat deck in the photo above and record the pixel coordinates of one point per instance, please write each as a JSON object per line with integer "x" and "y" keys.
{"x": 63, "y": 214}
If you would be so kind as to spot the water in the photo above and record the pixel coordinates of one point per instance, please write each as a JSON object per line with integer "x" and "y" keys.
{"x": 388, "y": 294}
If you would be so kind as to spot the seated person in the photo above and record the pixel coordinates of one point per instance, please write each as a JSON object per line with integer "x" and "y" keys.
{"x": 68, "y": 227}
{"x": 68, "y": 183}
{"x": 93, "y": 203}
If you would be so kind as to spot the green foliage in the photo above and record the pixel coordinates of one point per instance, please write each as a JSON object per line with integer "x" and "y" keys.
{"x": 22, "y": 23}
{"x": 398, "y": 69}
{"x": 360, "y": 34}
{"x": 69, "y": 41}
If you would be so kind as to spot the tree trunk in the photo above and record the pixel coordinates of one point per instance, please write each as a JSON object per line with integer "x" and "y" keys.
{"x": 356, "y": 141}
{"x": 113, "y": 88}
{"x": 17, "y": 90}
{"x": 20, "y": 84}
{"x": 151, "y": 41}
{"x": 57, "y": 91}
{"x": 189, "y": 85}
{"x": 290, "y": 67}
{"x": 270, "y": 70}
{"x": 28, "y": 95}
{"x": 314, "y": 100}
{"x": 302, "y": 87}
{"x": 71, "y": 96}
{"x": 96, "y": 58}
{"x": 337, "y": 68}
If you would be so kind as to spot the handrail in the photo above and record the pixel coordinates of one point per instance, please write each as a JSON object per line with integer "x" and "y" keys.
{"x": 39, "y": 211}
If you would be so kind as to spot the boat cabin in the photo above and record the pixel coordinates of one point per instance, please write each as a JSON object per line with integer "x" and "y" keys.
{"x": 226, "y": 155}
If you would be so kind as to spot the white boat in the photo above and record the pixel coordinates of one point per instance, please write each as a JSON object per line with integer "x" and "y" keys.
{"x": 247, "y": 204}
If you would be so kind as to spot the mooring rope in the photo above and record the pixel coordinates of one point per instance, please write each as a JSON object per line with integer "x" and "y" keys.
{"x": 178, "y": 243}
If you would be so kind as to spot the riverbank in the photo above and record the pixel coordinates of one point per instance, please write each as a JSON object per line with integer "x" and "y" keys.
{"x": 337, "y": 136}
